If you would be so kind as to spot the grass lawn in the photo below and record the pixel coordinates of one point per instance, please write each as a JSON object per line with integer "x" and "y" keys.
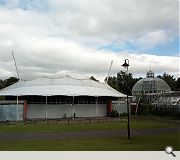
{"x": 140, "y": 143}
{"x": 21, "y": 128}
{"x": 153, "y": 143}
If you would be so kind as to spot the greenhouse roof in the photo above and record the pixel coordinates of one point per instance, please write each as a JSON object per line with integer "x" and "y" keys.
{"x": 152, "y": 84}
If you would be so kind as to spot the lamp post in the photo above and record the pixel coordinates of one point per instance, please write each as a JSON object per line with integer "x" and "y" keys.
{"x": 126, "y": 65}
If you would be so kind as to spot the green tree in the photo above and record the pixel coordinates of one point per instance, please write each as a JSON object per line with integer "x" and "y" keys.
{"x": 93, "y": 78}
{"x": 178, "y": 84}
{"x": 170, "y": 80}
{"x": 125, "y": 82}
{"x": 8, "y": 82}
{"x": 1, "y": 84}
{"x": 112, "y": 81}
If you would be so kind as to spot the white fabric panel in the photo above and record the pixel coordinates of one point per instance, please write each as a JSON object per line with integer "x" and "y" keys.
{"x": 36, "y": 111}
{"x": 11, "y": 112}
{"x": 85, "y": 110}
{"x": 53, "y": 111}
{"x": 120, "y": 106}
{"x": 102, "y": 110}
{"x": 66, "y": 86}
{"x": 59, "y": 110}
{"x": 90, "y": 110}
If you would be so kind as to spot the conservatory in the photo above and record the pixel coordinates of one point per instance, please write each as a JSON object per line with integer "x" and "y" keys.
{"x": 150, "y": 87}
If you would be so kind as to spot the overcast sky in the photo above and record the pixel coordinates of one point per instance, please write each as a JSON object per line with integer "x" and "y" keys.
{"x": 80, "y": 37}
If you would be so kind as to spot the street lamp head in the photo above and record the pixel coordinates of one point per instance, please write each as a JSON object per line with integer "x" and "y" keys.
{"x": 126, "y": 63}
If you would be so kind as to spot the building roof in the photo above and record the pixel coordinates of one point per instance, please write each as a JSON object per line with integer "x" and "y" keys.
{"x": 66, "y": 86}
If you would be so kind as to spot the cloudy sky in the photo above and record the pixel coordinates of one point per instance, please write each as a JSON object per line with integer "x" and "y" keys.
{"x": 80, "y": 37}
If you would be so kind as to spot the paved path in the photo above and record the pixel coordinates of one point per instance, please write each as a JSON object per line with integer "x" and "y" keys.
{"x": 86, "y": 134}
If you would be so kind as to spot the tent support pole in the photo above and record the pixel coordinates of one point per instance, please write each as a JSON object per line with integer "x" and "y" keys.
{"x": 46, "y": 110}
{"x": 73, "y": 114}
{"x": 97, "y": 107}
{"x": 17, "y": 100}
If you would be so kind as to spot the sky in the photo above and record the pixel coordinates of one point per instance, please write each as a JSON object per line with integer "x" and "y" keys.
{"x": 52, "y": 38}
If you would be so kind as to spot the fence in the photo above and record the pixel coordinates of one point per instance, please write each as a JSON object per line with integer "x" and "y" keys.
{"x": 168, "y": 109}
{"x": 68, "y": 121}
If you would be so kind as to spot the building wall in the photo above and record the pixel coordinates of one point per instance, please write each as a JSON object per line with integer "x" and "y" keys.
{"x": 65, "y": 110}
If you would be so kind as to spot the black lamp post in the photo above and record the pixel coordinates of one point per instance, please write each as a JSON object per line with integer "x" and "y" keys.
{"x": 126, "y": 65}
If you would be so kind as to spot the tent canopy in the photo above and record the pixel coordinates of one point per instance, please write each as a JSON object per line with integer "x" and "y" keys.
{"x": 65, "y": 86}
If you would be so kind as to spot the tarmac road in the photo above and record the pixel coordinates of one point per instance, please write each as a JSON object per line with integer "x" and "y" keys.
{"x": 85, "y": 134}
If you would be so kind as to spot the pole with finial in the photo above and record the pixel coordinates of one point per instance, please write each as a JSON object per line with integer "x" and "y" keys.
{"x": 109, "y": 71}
{"x": 15, "y": 64}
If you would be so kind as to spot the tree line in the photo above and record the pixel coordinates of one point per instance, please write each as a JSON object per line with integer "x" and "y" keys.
{"x": 7, "y": 82}
{"x": 124, "y": 82}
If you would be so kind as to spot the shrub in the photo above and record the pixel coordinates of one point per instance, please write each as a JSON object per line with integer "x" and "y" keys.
{"x": 114, "y": 113}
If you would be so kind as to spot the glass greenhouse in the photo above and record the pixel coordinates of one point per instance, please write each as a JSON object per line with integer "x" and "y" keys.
{"x": 150, "y": 87}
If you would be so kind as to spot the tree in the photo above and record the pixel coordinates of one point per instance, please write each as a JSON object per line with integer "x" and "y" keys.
{"x": 94, "y": 79}
{"x": 112, "y": 81}
{"x": 8, "y": 82}
{"x": 125, "y": 82}
{"x": 1, "y": 84}
{"x": 170, "y": 80}
{"x": 178, "y": 84}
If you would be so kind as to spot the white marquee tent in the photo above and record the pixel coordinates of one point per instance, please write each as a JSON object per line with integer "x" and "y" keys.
{"x": 68, "y": 87}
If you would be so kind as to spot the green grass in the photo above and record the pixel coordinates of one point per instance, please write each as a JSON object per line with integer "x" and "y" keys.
{"x": 21, "y": 128}
{"x": 140, "y": 143}
{"x": 148, "y": 143}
